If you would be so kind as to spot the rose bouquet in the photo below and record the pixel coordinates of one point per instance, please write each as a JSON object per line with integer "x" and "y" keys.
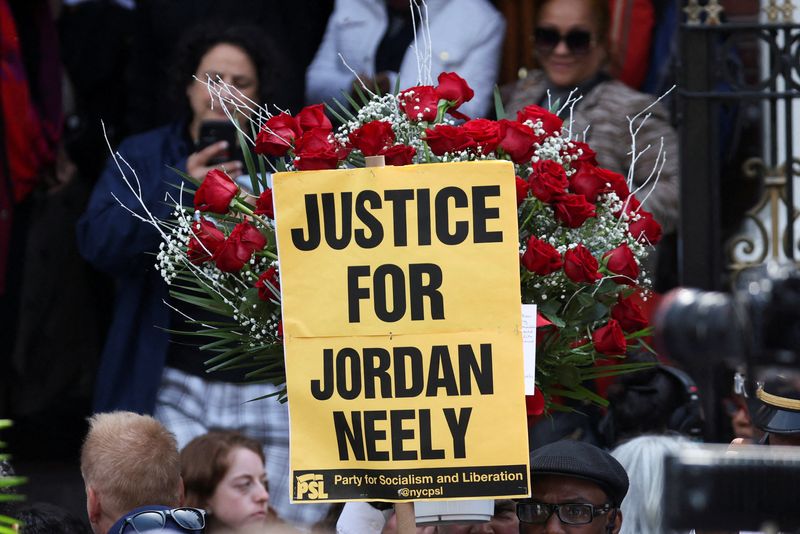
{"x": 583, "y": 234}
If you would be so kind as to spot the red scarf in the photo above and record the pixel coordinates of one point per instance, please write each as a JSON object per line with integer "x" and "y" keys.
{"x": 31, "y": 127}
{"x": 31, "y": 130}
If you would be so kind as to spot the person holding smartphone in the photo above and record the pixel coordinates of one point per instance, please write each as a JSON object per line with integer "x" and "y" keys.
{"x": 145, "y": 368}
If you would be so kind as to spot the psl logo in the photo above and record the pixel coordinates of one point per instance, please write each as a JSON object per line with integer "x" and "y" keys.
{"x": 311, "y": 484}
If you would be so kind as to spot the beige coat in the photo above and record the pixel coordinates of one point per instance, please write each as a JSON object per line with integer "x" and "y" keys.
{"x": 604, "y": 110}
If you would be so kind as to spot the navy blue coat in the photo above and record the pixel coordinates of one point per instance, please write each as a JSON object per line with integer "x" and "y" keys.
{"x": 116, "y": 242}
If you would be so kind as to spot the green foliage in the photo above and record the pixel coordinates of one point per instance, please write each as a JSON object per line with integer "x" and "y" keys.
{"x": 499, "y": 109}
{"x": 9, "y": 525}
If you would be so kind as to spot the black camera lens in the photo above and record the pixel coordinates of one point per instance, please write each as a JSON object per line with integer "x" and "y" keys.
{"x": 691, "y": 323}
{"x": 759, "y": 323}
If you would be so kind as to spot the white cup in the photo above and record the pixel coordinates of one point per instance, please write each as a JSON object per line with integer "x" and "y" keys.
{"x": 447, "y": 512}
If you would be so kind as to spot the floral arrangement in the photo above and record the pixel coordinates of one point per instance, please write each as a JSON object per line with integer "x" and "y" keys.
{"x": 583, "y": 234}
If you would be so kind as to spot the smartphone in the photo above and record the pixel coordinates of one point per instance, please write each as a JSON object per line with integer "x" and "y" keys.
{"x": 215, "y": 131}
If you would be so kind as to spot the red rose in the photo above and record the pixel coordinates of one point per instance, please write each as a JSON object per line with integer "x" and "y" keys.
{"x": 609, "y": 340}
{"x": 584, "y": 155}
{"x": 373, "y": 137}
{"x": 645, "y": 229}
{"x": 420, "y": 103}
{"x": 311, "y": 117}
{"x": 572, "y": 210}
{"x": 522, "y": 190}
{"x": 205, "y": 240}
{"x": 484, "y": 132}
{"x": 399, "y": 155}
{"x": 446, "y": 138}
{"x": 264, "y": 204}
{"x": 517, "y": 140}
{"x": 621, "y": 261}
{"x": 534, "y": 404}
{"x": 628, "y": 314}
{"x": 315, "y": 151}
{"x": 615, "y": 181}
{"x": 342, "y": 151}
{"x": 277, "y": 135}
{"x": 581, "y": 266}
{"x": 541, "y": 257}
{"x": 215, "y": 193}
{"x": 588, "y": 182}
{"x": 548, "y": 180}
{"x": 237, "y": 250}
{"x": 454, "y": 88}
{"x": 551, "y": 124}
{"x": 265, "y": 280}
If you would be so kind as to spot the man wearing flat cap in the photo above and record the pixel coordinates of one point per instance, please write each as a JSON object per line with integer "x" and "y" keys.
{"x": 576, "y": 487}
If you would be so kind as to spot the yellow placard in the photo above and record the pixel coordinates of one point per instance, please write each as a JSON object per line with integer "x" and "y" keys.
{"x": 402, "y": 332}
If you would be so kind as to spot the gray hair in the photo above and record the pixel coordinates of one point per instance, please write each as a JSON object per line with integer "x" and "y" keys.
{"x": 643, "y": 459}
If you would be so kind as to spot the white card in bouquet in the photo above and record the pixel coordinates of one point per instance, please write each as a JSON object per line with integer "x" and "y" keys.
{"x": 529, "y": 345}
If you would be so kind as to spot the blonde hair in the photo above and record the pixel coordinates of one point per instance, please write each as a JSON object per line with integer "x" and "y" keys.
{"x": 131, "y": 460}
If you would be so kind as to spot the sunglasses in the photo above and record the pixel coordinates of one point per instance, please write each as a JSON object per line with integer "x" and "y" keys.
{"x": 149, "y": 520}
{"x": 547, "y": 39}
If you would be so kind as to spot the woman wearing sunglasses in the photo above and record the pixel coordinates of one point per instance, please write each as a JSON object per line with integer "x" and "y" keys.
{"x": 223, "y": 473}
{"x": 571, "y": 46}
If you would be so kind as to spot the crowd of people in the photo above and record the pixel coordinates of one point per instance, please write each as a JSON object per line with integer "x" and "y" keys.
{"x": 136, "y": 480}
{"x": 172, "y": 447}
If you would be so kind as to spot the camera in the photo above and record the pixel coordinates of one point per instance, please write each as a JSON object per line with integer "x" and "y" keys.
{"x": 756, "y": 325}
{"x": 759, "y": 322}
{"x": 745, "y": 488}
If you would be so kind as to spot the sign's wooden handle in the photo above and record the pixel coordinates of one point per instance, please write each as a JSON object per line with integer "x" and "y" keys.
{"x": 406, "y": 519}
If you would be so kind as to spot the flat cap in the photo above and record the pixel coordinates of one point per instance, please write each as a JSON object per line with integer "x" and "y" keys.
{"x": 581, "y": 460}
